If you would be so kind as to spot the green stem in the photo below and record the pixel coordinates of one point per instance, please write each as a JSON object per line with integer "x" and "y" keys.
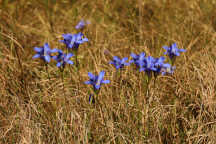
{"x": 46, "y": 65}
{"x": 76, "y": 59}
{"x": 96, "y": 92}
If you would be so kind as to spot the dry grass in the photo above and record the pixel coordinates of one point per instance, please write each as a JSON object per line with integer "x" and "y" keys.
{"x": 180, "y": 108}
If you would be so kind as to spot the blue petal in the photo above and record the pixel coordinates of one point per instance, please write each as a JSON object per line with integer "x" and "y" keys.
{"x": 177, "y": 54}
{"x": 46, "y": 46}
{"x": 60, "y": 51}
{"x": 36, "y": 56}
{"x": 85, "y": 39}
{"x": 70, "y": 62}
{"x": 73, "y": 38}
{"x": 47, "y": 58}
{"x": 153, "y": 69}
{"x": 142, "y": 55}
{"x": 106, "y": 81}
{"x": 54, "y": 50}
{"x": 100, "y": 78}
{"x": 126, "y": 64}
{"x": 91, "y": 76}
{"x": 124, "y": 60}
{"x": 37, "y": 49}
{"x": 161, "y": 59}
{"x": 151, "y": 59}
{"x": 61, "y": 41}
{"x": 55, "y": 58}
{"x": 88, "y": 82}
{"x": 131, "y": 61}
{"x": 163, "y": 72}
{"x": 79, "y": 35}
{"x": 97, "y": 86}
{"x": 166, "y": 47}
{"x": 70, "y": 46}
{"x": 133, "y": 55}
{"x": 182, "y": 50}
{"x": 69, "y": 55}
{"x": 111, "y": 62}
{"x": 80, "y": 25}
{"x": 116, "y": 58}
{"x": 140, "y": 63}
{"x": 142, "y": 69}
{"x": 101, "y": 75}
{"x": 58, "y": 64}
{"x": 118, "y": 66}
{"x": 174, "y": 45}
{"x": 166, "y": 65}
{"x": 80, "y": 41}
{"x": 67, "y": 36}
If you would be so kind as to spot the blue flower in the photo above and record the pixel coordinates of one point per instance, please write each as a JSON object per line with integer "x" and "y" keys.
{"x": 44, "y": 52}
{"x": 96, "y": 81}
{"x": 82, "y": 24}
{"x": 159, "y": 61}
{"x": 119, "y": 63}
{"x": 173, "y": 51}
{"x": 137, "y": 59}
{"x": 73, "y": 40}
{"x": 148, "y": 64}
{"x": 167, "y": 68}
{"x": 63, "y": 58}
{"x": 162, "y": 67}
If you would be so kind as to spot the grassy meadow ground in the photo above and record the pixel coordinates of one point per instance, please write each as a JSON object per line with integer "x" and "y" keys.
{"x": 38, "y": 108}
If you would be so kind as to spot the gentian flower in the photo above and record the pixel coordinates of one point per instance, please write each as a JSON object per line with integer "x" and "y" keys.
{"x": 63, "y": 58}
{"x": 167, "y": 68}
{"x": 173, "y": 51}
{"x": 119, "y": 63}
{"x": 44, "y": 52}
{"x": 162, "y": 67}
{"x": 96, "y": 81}
{"x": 137, "y": 58}
{"x": 148, "y": 65}
{"x": 82, "y": 24}
{"x": 73, "y": 41}
{"x": 159, "y": 61}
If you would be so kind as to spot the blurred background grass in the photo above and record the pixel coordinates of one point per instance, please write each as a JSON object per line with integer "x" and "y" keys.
{"x": 180, "y": 108}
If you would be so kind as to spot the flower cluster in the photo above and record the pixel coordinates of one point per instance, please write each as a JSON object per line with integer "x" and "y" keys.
{"x": 63, "y": 58}
{"x": 119, "y": 63}
{"x": 72, "y": 41}
{"x": 44, "y": 52}
{"x": 137, "y": 58}
{"x": 148, "y": 64}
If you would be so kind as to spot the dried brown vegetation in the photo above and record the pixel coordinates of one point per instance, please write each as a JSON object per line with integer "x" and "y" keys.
{"x": 181, "y": 108}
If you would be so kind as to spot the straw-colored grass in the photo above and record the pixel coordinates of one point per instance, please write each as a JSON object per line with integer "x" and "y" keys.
{"x": 179, "y": 108}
